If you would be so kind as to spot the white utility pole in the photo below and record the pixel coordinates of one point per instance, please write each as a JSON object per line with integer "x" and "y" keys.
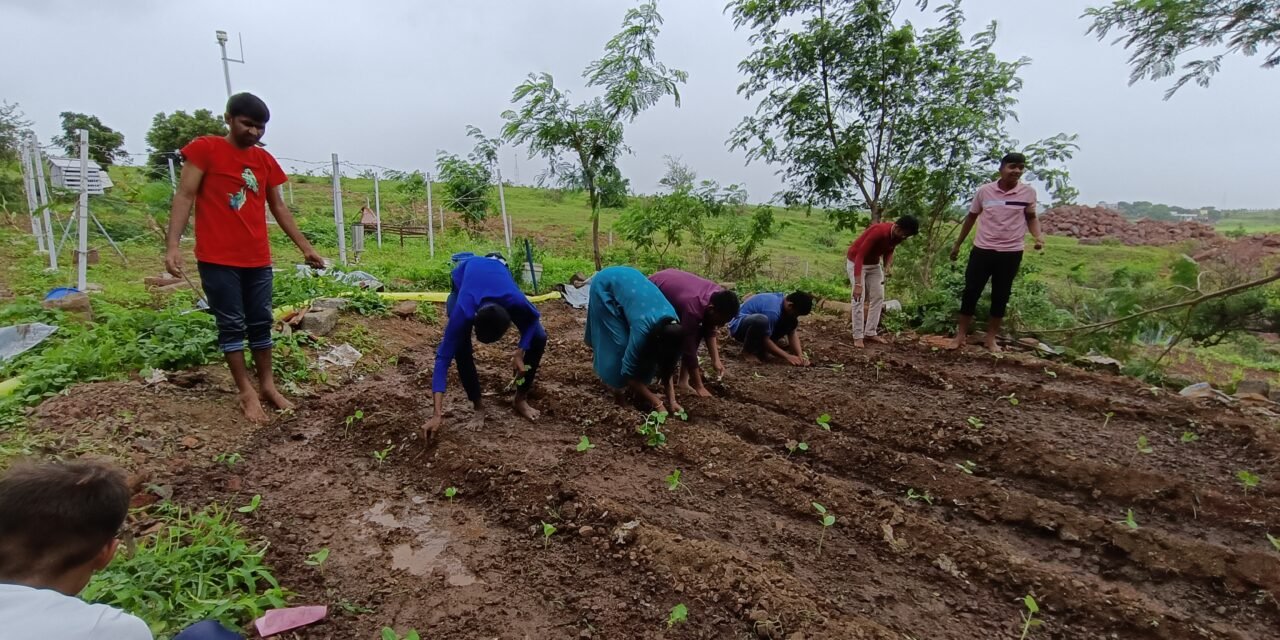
{"x": 226, "y": 70}
{"x": 173, "y": 175}
{"x": 431, "y": 223}
{"x": 377, "y": 208}
{"x": 29, "y": 189}
{"x": 337, "y": 212}
{"x": 502, "y": 203}
{"x": 82, "y": 255}
{"x": 42, "y": 191}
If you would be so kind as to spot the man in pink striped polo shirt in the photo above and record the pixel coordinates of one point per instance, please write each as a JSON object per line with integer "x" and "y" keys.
{"x": 1007, "y": 208}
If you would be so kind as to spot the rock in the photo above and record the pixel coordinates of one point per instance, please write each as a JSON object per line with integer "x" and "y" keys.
{"x": 190, "y": 442}
{"x": 160, "y": 281}
{"x": 586, "y": 532}
{"x": 76, "y": 304}
{"x": 328, "y": 303}
{"x": 1253, "y": 387}
{"x": 405, "y": 308}
{"x": 1101, "y": 362}
{"x": 319, "y": 322}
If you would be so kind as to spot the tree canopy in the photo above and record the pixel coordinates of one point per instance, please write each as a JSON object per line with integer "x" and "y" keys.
{"x": 106, "y": 145}
{"x": 169, "y": 133}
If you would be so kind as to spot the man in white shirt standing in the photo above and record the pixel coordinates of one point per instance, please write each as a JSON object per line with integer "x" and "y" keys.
{"x": 58, "y": 525}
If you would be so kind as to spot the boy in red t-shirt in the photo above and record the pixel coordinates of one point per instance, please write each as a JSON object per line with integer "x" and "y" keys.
{"x": 232, "y": 181}
{"x": 875, "y": 244}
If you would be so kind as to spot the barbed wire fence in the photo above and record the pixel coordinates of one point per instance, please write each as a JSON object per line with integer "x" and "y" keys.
{"x": 82, "y": 178}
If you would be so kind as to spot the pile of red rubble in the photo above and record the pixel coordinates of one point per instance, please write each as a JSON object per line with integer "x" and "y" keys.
{"x": 1092, "y": 224}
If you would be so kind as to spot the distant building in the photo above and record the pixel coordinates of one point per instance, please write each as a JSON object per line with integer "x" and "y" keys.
{"x": 65, "y": 173}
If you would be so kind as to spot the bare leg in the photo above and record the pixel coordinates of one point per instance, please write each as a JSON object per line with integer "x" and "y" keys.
{"x": 993, "y": 332}
{"x": 249, "y": 402}
{"x": 521, "y": 405}
{"x": 267, "y": 381}
{"x": 962, "y": 331}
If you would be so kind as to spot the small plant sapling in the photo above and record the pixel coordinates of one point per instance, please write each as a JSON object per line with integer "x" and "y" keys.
{"x": 1189, "y": 436}
{"x": 230, "y": 459}
{"x": 827, "y": 520}
{"x": 975, "y": 423}
{"x": 683, "y": 415}
{"x": 1012, "y": 398}
{"x": 1275, "y": 542}
{"x": 652, "y": 429}
{"x": 679, "y": 614}
{"x": 1050, "y": 372}
{"x": 968, "y": 466}
{"x": 1247, "y": 479}
{"x": 253, "y": 504}
{"x": 316, "y": 559}
{"x": 1143, "y": 445}
{"x": 1106, "y": 418}
{"x": 350, "y": 420}
{"x": 585, "y": 445}
{"x": 794, "y": 446}
{"x": 926, "y": 496}
{"x": 1029, "y": 619}
{"x": 390, "y": 634}
{"x": 450, "y": 492}
{"x": 824, "y": 422}
{"x": 382, "y": 454}
{"x": 837, "y": 367}
{"x": 548, "y": 530}
{"x": 1129, "y": 520}
{"x": 880, "y": 366}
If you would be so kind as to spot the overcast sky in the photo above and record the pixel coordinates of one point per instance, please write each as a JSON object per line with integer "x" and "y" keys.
{"x": 393, "y": 81}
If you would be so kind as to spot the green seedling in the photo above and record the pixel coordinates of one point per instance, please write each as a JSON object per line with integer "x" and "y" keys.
{"x": 673, "y": 480}
{"x": 1275, "y": 542}
{"x": 253, "y": 504}
{"x": 679, "y": 613}
{"x": 350, "y": 420}
{"x": 824, "y": 421}
{"x": 827, "y": 520}
{"x": 382, "y": 455}
{"x": 880, "y": 366}
{"x": 975, "y": 423}
{"x": 683, "y": 415}
{"x": 1029, "y": 616}
{"x": 515, "y": 382}
{"x": 1143, "y": 445}
{"x": 1012, "y": 398}
{"x": 968, "y": 466}
{"x": 652, "y": 429}
{"x": 756, "y": 375}
{"x": 548, "y": 530}
{"x": 793, "y": 446}
{"x": 926, "y": 496}
{"x": 1129, "y": 520}
{"x": 837, "y": 367}
{"x": 1189, "y": 436}
{"x": 1247, "y": 479}
{"x": 450, "y": 492}
{"x": 1106, "y": 418}
{"x": 390, "y": 634}
{"x": 585, "y": 445}
{"x": 316, "y": 559}
{"x": 1050, "y": 372}
{"x": 230, "y": 459}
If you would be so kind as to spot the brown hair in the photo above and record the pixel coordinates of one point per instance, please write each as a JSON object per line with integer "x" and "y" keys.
{"x": 57, "y": 516}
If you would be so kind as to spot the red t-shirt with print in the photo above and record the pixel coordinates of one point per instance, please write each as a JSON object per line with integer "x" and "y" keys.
{"x": 231, "y": 204}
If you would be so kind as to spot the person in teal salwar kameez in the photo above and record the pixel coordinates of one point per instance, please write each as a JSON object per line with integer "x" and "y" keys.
{"x": 634, "y": 333}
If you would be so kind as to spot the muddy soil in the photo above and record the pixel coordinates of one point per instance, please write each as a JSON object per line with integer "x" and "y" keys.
{"x": 1035, "y": 500}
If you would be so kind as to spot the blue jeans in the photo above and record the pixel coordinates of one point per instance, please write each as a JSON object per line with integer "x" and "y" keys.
{"x": 240, "y": 299}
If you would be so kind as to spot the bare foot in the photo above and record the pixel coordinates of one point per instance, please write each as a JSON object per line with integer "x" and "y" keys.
{"x": 252, "y": 408}
{"x": 993, "y": 346}
{"x": 957, "y": 343}
{"x": 859, "y": 343}
{"x": 277, "y": 400}
{"x": 877, "y": 339}
{"x": 702, "y": 392}
{"x": 524, "y": 410}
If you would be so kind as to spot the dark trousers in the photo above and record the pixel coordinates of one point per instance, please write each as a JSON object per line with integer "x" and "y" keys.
{"x": 465, "y": 357}
{"x": 753, "y": 329}
{"x": 1000, "y": 267}
{"x": 240, "y": 299}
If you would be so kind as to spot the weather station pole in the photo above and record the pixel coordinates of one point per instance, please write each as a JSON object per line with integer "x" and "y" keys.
{"x": 226, "y": 69}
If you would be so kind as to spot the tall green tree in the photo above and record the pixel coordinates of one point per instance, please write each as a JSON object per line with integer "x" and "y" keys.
{"x": 854, "y": 104}
{"x": 106, "y": 145}
{"x": 582, "y": 142}
{"x": 170, "y": 133}
{"x": 468, "y": 182}
{"x": 1160, "y": 33}
{"x": 12, "y": 124}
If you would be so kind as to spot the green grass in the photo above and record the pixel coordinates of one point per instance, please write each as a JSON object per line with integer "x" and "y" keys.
{"x": 198, "y": 566}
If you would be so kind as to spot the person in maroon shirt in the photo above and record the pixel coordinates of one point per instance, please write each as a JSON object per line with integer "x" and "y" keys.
{"x": 703, "y": 307}
{"x": 867, "y": 277}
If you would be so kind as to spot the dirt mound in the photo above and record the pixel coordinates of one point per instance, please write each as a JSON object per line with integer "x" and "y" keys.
{"x": 1092, "y": 224}
{"x": 952, "y": 501}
